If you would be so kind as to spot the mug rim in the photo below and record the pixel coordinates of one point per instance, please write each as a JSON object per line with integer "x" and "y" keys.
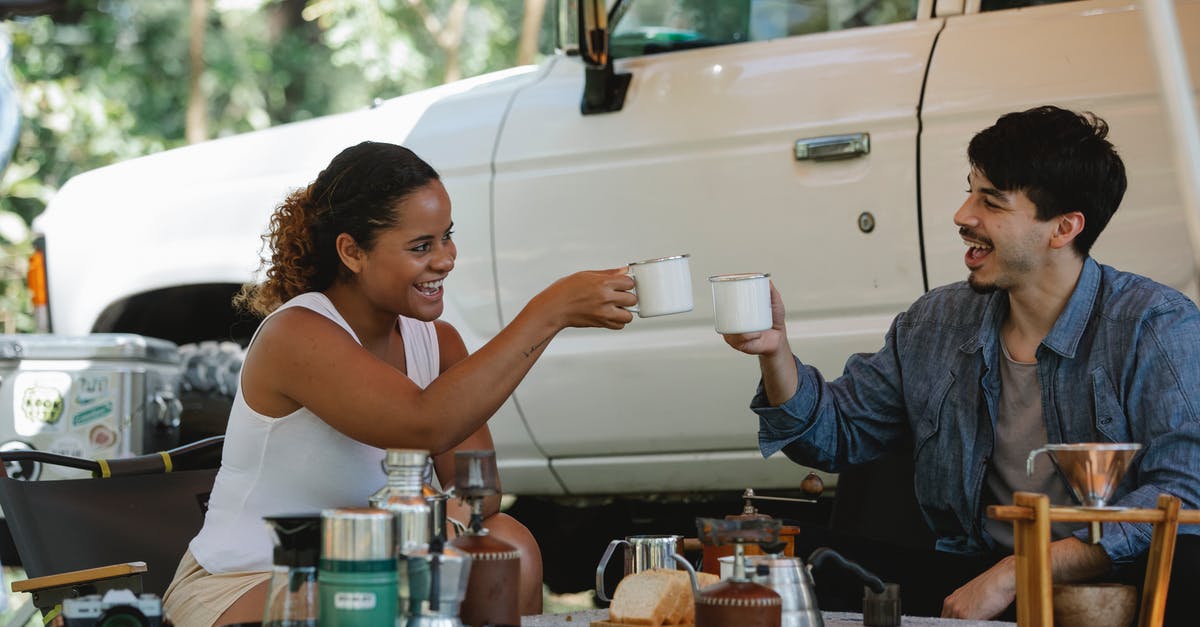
{"x": 742, "y": 276}
{"x": 646, "y": 261}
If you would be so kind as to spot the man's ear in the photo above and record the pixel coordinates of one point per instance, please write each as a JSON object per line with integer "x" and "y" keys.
{"x": 349, "y": 252}
{"x": 1068, "y": 226}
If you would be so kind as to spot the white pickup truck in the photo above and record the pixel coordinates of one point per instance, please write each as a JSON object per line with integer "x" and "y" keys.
{"x": 822, "y": 141}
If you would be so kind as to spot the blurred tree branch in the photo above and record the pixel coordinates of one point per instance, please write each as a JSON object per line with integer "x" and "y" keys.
{"x": 196, "y": 126}
{"x": 102, "y": 81}
{"x": 531, "y": 24}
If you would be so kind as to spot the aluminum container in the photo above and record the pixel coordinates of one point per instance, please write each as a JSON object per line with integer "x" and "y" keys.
{"x": 357, "y": 534}
{"x": 101, "y": 395}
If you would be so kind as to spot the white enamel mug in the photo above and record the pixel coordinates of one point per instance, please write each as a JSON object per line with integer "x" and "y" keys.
{"x": 663, "y": 286}
{"x": 741, "y": 302}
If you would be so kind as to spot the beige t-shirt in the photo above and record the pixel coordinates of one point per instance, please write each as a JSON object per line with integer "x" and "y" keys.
{"x": 1020, "y": 429}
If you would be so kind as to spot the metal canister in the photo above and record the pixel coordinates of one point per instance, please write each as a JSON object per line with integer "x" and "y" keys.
{"x": 357, "y": 573}
{"x": 494, "y": 586}
{"x": 402, "y": 495}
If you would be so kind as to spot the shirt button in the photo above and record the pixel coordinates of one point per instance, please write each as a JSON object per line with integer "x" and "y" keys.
{"x": 1106, "y": 420}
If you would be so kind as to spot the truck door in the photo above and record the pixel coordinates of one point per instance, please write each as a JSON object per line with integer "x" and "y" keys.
{"x": 1090, "y": 55}
{"x": 701, "y": 159}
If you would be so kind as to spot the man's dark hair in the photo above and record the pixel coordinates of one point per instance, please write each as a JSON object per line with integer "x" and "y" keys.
{"x": 1060, "y": 160}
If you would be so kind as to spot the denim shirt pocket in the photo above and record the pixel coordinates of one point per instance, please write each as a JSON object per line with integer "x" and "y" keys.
{"x": 1109, "y": 417}
{"x": 927, "y": 422}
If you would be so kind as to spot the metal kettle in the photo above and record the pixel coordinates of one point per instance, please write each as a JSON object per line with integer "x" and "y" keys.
{"x": 792, "y": 579}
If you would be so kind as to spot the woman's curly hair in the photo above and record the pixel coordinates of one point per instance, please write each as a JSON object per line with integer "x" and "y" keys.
{"x": 357, "y": 194}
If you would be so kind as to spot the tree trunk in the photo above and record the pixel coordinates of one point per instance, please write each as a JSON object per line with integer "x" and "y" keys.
{"x": 448, "y": 35}
{"x": 531, "y": 26}
{"x": 451, "y": 39}
{"x": 196, "y": 120}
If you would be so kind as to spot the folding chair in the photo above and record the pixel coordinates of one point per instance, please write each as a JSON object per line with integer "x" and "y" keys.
{"x": 126, "y": 527}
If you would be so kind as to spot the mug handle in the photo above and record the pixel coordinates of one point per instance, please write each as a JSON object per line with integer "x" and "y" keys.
{"x": 631, "y": 308}
{"x": 612, "y": 546}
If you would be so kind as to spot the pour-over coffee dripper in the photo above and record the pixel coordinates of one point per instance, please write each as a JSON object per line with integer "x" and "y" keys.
{"x": 1092, "y": 471}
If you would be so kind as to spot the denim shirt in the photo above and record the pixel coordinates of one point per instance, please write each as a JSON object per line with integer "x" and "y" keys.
{"x": 1121, "y": 364}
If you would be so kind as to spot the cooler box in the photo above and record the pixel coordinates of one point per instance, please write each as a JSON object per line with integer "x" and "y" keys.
{"x": 101, "y": 395}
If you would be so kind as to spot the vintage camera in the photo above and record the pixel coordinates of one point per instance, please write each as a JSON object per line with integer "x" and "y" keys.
{"x": 117, "y": 608}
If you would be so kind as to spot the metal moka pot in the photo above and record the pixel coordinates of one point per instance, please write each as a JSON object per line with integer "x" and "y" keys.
{"x": 437, "y": 584}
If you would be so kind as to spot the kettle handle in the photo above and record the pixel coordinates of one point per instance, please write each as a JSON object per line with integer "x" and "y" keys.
{"x": 821, "y": 554}
{"x": 612, "y": 546}
{"x": 1029, "y": 462}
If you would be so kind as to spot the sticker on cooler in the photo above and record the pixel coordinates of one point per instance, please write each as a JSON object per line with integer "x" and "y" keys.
{"x": 40, "y": 399}
{"x": 69, "y": 445}
{"x": 92, "y": 400}
{"x": 100, "y": 436}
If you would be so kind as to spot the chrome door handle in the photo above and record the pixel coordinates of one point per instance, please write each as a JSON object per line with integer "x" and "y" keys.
{"x": 833, "y": 147}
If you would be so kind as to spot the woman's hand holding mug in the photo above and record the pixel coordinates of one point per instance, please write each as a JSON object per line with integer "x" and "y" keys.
{"x": 663, "y": 286}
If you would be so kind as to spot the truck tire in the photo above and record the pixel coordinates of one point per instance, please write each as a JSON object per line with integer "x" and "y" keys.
{"x": 207, "y": 387}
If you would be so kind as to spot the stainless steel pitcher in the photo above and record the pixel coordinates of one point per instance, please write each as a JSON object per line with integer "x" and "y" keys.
{"x": 644, "y": 553}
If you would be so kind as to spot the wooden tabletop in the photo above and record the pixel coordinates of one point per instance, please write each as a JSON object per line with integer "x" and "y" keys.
{"x": 584, "y": 618}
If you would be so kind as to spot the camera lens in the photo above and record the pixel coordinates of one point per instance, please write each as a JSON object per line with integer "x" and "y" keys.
{"x": 122, "y": 616}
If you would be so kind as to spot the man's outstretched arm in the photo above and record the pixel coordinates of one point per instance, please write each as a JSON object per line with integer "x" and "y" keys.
{"x": 987, "y": 595}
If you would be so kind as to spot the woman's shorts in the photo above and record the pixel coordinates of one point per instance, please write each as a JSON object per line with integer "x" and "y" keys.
{"x": 197, "y": 598}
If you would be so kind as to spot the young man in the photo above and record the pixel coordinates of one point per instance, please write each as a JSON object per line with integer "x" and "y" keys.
{"x": 1040, "y": 344}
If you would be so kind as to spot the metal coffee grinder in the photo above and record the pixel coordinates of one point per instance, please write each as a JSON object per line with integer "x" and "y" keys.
{"x": 738, "y": 600}
{"x": 493, "y": 589}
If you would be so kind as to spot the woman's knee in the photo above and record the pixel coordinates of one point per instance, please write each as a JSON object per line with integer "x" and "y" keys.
{"x": 509, "y": 529}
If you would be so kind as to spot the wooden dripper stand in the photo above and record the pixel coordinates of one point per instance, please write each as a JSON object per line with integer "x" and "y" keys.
{"x": 1092, "y": 471}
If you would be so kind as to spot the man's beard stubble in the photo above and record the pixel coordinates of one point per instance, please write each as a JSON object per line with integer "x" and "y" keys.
{"x": 979, "y": 286}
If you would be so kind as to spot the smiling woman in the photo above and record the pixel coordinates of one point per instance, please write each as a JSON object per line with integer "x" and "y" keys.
{"x": 351, "y": 359}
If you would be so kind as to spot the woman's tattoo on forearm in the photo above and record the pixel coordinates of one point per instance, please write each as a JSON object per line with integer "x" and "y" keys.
{"x": 533, "y": 349}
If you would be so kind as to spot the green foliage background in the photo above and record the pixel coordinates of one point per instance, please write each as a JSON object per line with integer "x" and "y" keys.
{"x": 106, "y": 80}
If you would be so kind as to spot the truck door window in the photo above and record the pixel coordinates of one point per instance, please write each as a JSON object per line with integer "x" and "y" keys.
{"x": 654, "y": 26}
{"x": 1000, "y": 5}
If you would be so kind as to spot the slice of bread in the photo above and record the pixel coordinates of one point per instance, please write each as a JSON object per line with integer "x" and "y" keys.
{"x": 657, "y": 597}
{"x": 644, "y": 598}
{"x": 684, "y": 612}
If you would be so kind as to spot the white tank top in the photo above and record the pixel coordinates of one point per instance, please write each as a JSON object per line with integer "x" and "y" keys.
{"x": 296, "y": 464}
